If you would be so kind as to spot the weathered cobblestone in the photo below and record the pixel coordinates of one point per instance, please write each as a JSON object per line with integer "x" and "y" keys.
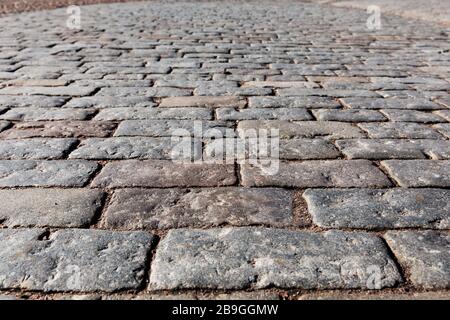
{"x": 263, "y": 113}
{"x": 412, "y": 116}
{"x": 142, "y": 113}
{"x": 425, "y": 254}
{"x": 236, "y": 258}
{"x": 379, "y": 208}
{"x": 177, "y": 208}
{"x": 203, "y": 101}
{"x": 35, "y": 148}
{"x": 400, "y": 130}
{"x": 393, "y": 103}
{"x": 337, "y": 173}
{"x": 109, "y": 102}
{"x": 45, "y": 114}
{"x": 4, "y": 125}
{"x": 12, "y": 101}
{"x": 419, "y": 173}
{"x": 49, "y": 91}
{"x": 292, "y": 102}
{"x": 349, "y": 115}
{"x": 73, "y": 260}
{"x": 49, "y": 207}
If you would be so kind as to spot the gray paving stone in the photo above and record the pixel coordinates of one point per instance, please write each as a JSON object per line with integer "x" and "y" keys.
{"x": 412, "y": 116}
{"x": 380, "y": 130}
{"x": 304, "y": 129}
{"x": 292, "y": 102}
{"x": 391, "y": 103}
{"x": 443, "y": 128}
{"x": 35, "y": 148}
{"x": 14, "y": 101}
{"x": 75, "y": 91}
{"x": 236, "y": 258}
{"x": 132, "y": 209}
{"x": 59, "y": 129}
{"x": 4, "y": 125}
{"x": 203, "y": 101}
{"x": 56, "y": 173}
{"x": 163, "y": 173}
{"x": 443, "y": 114}
{"x": 263, "y": 113}
{"x": 135, "y": 148}
{"x": 109, "y": 102}
{"x": 142, "y": 91}
{"x": 425, "y": 254}
{"x": 143, "y": 113}
{"x": 73, "y": 260}
{"x": 49, "y": 207}
{"x": 379, "y": 208}
{"x": 45, "y": 114}
{"x": 376, "y": 149}
{"x": 310, "y": 174}
{"x": 419, "y": 173}
{"x": 349, "y": 115}
{"x": 326, "y": 93}
{"x": 167, "y": 128}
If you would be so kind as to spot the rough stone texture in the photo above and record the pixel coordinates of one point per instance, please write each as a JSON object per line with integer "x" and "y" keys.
{"x": 349, "y": 115}
{"x": 178, "y": 208}
{"x": 236, "y": 258}
{"x": 45, "y": 114}
{"x": 56, "y": 173}
{"x": 263, "y": 113}
{"x": 59, "y": 129}
{"x": 49, "y": 207}
{"x": 109, "y": 102}
{"x": 143, "y": 113}
{"x": 305, "y": 129}
{"x": 73, "y": 260}
{"x": 292, "y": 102}
{"x": 203, "y": 101}
{"x": 393, "y": 103}
{"x": 399, "y": 130}
{"x": 412, "y": 116}
{"x": 425, "y": 254}
{"x": 419, "y": 173}
{"x": 35, "y": 148}
{"x": 380, "y": 149}
{"x": 12, "y": 101}
{"x": 4, "y": 125}
{"x": 164, "y": 173}
{"x": 50, "y": 91}
{"x": 333, "y": 173}
{"x": 443, "y": 128}
{"x": 135, "y": 148}
{"x": 379, "y": 208}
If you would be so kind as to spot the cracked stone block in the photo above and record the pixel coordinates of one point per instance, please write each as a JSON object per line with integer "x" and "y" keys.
{"x": 399, "y": 130}
{"x": 13, "y": 101}
{"x": 293, "y": 102}
{"x": 419, "y": 173}
{"x": 35, "y": 148}
{"x": 73, "y": 260}
{"x": 425, "y": 255}
{"x": 4, "y": 125}
{"x": 74, "y": 91}
{"x": 238, "y": 258}
{"x": 168, "y": 128}
{"x": 49, "y": 207}
{"x": 45, "y": 114}
{"x": 109, "y": 102}
{"x": 444, "y": 114}
{"x": 263, "y": 113}
{"x": 379, "y": 208}
{"x": 443, "y": 128}
{"x": 303, "y": 129}
{"x": 412, "y": 116}
{"x": 54, "y": 173}
{"x": 143, "y": 113}
{"x": 136, "y": 148}
{"x": 178, "y": 208}
{"x": 203, "y": 101}
{"x": 391, "y": 103}
{"x": 164, "y": 173}
{"x": 59, "y": 129}
{"x": 380, "y": 149}
{"x": 349, "y": 115}
{"x": 316, "y": 173}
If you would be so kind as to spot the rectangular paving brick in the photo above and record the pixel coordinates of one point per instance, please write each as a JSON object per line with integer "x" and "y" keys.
{"x": 381, "y": 130}
{"x": 281, "y": 84}
{"x": 293, "y": 102}
{"x": 203, "y": 101}
{"x": 263, "y": 114}
{"x": 309, "y": 174}
{"x": 164, "y": 173}
{"x": 419, "y": 173}
{"x": 326, "y": 93}
{"x": 45, "y": 114}
{"x": 377, "y": 149}
{"x": 73, "y": 260}
{"x": 443, "y": 128}
{"x": 109, "y": 102}
{"x": 74, "y": 91}
{"x": 35, "y": 148}
{"x": 144, "y": 113}
{"x": 379, "y": 208}
{"x": 49, "y": 207}
{"x": 135, "y": 148}
{"x": 237, "y": 258}
{"x": 38, "y": 101}
{"x": 303, "y": 129}
{"x": 142, "y": 91}
{"x": 425, "y": 254}
{"x": 59, "y": 129}
{"x": 196, "y": 208}
{"x": 412, "y": 116}
{"x": 390, "y": 103}
{"x": 348, "y": 115}
{"x": 55, "y": 173}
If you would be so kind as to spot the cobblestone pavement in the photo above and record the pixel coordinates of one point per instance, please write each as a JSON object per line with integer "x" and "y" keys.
{"x": 94, "y": 207}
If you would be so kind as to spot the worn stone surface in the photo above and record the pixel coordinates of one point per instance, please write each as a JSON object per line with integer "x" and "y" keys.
{"x": 380, "y": 149}
{"x": 143, "y": 113}
{"x": 49, "y": 207}
{"x": 379, "y": 208}
{"x": 400, "y": 130}
{"x": 332, "y": 173}
{"x": 73, "y": 260}
{"x": 203, "y": 101}
{"x": 425, "y": 254}
{"x": 413, "y": 116}
{"x": 349, "y": 115}
{"x": 236, "y": 258}
{"x": 55, "y": 173}
{"x": 109, "y": 102}
{"x": 164, "y": 173}
{"x": 393, "y": 103}
{"x": 35, "y": 148}
{"x": 178, "y": 208}
{"x": 4, "y": 125}
{"x": 419, "y": 173}
{"x": 263, "y": 113}
{"x": 292, "y": 102}
{"x": 31, "y": 101}
{"x": 45, "y": 114}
